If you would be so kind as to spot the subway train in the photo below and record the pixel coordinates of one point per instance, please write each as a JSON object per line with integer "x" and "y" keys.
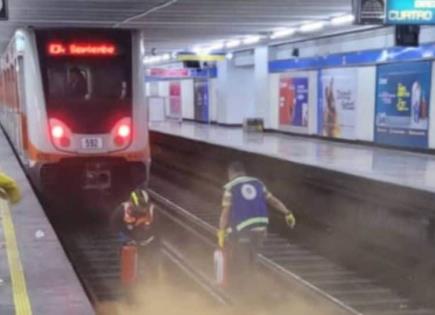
{"x": 72, "y": 103}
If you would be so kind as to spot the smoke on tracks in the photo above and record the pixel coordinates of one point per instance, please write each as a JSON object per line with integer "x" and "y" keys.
{"x": 168, "y": 296}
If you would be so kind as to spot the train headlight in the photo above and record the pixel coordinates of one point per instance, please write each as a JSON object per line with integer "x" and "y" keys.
{"x": 121, "y": 133}
{"x": 60, "y": 133}
{"x": 57, "y": 131}
{"x": 124, "y": 131}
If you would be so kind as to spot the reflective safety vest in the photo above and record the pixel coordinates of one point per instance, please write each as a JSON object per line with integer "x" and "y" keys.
{"x": 248, "y": 204}
{"x": 133, "y": 222}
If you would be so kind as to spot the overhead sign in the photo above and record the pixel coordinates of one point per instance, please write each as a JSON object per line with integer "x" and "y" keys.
{"x": 200, "y": 57}
{"x": 3, "y": 10}
{"x": 417, "y": 12}
{"x": 369, "y": 11}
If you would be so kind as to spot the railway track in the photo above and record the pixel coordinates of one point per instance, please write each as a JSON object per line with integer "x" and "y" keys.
{"x": 321, "y": 279}
{"x": 94, "y": 251}
{"x": 95, "y": 255}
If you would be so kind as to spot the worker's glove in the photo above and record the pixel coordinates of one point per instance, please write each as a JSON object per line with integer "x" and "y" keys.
{"x": 221, "y": 235}
{"x": 290, "y": 220}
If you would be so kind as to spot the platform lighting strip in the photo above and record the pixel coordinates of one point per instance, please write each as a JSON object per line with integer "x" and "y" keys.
{"x": 254, "y": 39}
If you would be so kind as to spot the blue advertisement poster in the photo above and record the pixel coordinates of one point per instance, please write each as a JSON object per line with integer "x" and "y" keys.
{"x": 201, "y": 100}
{"x": 402, "y": 104}
{"x": 300, "y": 115}
{"x": 418, "y": 12}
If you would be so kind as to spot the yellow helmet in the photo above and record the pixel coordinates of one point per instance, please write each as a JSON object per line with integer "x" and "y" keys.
{"x": 139, "y": 198}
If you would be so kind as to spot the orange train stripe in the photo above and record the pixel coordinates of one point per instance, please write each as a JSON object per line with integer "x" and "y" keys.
{"x": 24, "y": 132}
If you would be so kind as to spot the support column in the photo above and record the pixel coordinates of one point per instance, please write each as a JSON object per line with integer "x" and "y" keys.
{"x": 261, "y": 99}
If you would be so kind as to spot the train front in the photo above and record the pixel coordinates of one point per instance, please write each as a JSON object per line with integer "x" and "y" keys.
{"x": 96, "y": 120}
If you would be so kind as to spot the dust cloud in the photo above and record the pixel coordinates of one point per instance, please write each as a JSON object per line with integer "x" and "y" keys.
{"x": 174, "y": 296}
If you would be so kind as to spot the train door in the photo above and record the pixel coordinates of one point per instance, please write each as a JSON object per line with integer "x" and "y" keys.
{"x": 15, "y": 121}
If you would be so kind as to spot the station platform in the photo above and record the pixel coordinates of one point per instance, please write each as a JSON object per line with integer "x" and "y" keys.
{"x": 36, "y": 276}
{"x": 367, "y": 209}
{"x": 401, "y": 168}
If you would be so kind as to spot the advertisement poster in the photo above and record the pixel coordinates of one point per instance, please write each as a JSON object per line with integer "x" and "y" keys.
{"x": 337, "y": 102}
{"x": 293, "y": 101}
{"x": 402, "y": 104}
{"x": 201, "y": 100}
{"x": 175, "y": 99}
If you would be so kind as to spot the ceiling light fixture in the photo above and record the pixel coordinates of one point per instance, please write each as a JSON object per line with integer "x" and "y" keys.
{"x": 251, "y": 40}
{"x": 342, "y": 20}
{"x": 312, "y": 27}
{"x": 283, "y": 33}
{"x": 198, "y": 50}
{"x": 216, "y": 46}
{"x": 233, "y": 44}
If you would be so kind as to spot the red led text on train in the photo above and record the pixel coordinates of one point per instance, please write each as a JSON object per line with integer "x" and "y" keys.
{"x": 81, "y": 49}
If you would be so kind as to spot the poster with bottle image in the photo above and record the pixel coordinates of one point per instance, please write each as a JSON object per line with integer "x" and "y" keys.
{"x": 337, "y": 102}
{"x": 402, "y": 104}
{"x": 293, "y": 102}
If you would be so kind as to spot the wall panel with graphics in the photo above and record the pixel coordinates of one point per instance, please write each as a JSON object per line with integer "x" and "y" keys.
{"x": 346, "y": 103}
{"x": 293, "y": 99}
{"x": 403, "y": 104}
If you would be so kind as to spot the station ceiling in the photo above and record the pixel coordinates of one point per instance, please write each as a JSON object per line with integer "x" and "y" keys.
{"x": 172, "y": 24}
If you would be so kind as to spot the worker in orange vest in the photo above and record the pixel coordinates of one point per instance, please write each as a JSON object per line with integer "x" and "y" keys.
{"x": 135, "y": 221}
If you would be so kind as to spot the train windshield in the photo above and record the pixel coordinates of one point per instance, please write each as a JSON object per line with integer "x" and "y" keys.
{"x": 91, "y": 82}
{"x": 87, "y": 83}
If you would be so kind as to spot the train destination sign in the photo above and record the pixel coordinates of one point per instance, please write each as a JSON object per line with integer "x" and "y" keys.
{"x": 81, "y": 49}
{"x": 414, "y": 12}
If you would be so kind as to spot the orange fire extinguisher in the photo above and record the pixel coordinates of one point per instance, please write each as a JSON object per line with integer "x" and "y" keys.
{"x": 129, "y": 265}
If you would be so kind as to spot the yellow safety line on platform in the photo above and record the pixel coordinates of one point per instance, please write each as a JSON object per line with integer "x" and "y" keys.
{"x": 19, "y": 287}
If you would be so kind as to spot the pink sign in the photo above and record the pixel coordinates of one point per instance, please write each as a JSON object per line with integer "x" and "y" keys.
{"x": 168, "y": 73}
{"x": 175, "y": 99}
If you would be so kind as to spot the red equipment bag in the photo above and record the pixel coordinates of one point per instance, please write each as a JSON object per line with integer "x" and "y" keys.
{"x": 220, "y": 266}
{"x": 129, "y": 265}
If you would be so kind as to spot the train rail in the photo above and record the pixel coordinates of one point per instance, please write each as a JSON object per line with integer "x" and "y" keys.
{"x": 94, "y": 250}
{"x": 344, "y": 290}
{"x": 94, "y": 253}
